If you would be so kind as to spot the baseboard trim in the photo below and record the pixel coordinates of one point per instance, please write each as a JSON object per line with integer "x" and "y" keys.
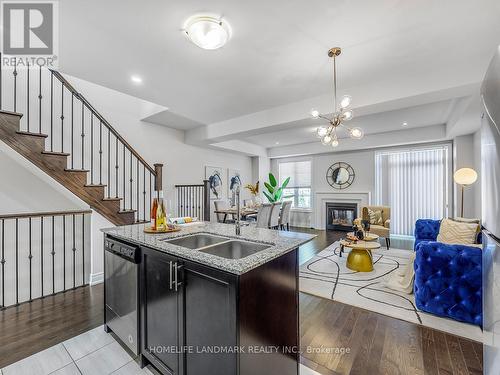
{"x": 96, "y": 278}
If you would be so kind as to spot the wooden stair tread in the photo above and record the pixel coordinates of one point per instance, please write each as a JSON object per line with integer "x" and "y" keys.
{"x": 112, "y": 199}
{"x": 95, "y": 185}
{"x": 11, "y": 113}
{"x": 127, "y": 211}
{"x": 55, "y": 153}
{"x": 76, "y": 170}
{"x": 32, "y": 134}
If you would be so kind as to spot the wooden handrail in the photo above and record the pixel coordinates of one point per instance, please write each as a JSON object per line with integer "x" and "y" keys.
{"x": 48, "y": 213}
{"x": 68, "y": 85}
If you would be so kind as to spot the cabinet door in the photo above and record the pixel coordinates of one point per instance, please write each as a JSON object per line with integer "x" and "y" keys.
{"x": 161, "y": 312}
{"x": 210, "y": 320}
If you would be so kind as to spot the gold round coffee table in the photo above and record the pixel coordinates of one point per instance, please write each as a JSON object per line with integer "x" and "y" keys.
{"x": 360, "y": 256}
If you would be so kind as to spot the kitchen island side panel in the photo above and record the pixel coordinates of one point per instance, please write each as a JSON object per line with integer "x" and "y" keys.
{"x": 269, "y": 317}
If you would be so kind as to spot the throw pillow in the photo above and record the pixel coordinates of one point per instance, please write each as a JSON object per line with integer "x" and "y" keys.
{"x": 375, "y": 217}
{"x": 453, "y": 232}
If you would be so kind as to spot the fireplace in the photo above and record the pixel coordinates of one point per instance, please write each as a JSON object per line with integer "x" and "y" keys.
{"x": 340, "y": 216}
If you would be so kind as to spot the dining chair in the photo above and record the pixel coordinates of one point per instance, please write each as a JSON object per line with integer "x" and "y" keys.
{"x": 274, "y": 221}
{"x": 285, "y": 215}
{"x": 264, "y": 215}
{"x": 219, "y": 206}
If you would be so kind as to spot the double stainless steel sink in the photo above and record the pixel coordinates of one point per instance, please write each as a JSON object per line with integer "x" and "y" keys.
{"x": 219, "y": 246}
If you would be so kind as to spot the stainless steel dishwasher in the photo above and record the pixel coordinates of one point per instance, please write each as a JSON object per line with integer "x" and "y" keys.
{"x": 121, "y": 292}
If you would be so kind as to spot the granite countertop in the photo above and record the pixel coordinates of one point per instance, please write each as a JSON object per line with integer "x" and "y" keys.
{"x": 280, "y": 243}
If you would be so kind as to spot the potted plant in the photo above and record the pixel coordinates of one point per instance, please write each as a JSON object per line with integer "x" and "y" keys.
{"x": 274, "y": 192}
{"x": 254, "y": 190}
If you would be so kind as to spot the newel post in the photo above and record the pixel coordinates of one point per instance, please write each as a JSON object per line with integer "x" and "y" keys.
{"x": 158, "y": 177}
{"x": 206, "y": 200}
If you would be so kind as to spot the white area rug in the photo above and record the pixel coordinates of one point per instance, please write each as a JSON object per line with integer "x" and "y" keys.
{"x": 327, "y": 276}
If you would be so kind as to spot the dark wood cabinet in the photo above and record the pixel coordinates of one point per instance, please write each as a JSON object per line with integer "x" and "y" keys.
{"x": 162, "y": 310}
{"x": 210, "y": 320}
{"x": 196, "y": 319}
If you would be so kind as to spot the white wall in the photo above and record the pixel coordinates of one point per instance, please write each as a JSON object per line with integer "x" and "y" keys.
{"x": 28, "y": 189}
{"x": 363, "y": 163}
{"x": 183, "y": 163}
{"x": 467, "y": 154}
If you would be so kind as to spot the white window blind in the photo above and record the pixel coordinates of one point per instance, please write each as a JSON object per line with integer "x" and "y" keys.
{"x": 414, "y": 183}
{"x": 300, "y": 182}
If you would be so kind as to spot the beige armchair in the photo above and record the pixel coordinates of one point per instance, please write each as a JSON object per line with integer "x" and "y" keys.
{"x": 383, "y": 230}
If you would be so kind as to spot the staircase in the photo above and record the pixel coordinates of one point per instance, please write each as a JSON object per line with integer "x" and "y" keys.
{"x": 56, "y": 128}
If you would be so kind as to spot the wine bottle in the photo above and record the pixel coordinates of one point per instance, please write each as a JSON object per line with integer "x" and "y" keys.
{"x": 154, "y": 210}
{"x": 161, "y": 215}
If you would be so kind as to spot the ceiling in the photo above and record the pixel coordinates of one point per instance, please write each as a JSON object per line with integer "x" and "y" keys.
{"x": 277, "y": 56}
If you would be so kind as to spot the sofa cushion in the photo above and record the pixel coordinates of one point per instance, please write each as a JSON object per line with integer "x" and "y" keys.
{"x": 453, "y": 232}
{"x": 375, "y": 217}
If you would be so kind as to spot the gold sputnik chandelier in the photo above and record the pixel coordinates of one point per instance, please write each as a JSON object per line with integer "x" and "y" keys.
{"x": 341, "y": 114}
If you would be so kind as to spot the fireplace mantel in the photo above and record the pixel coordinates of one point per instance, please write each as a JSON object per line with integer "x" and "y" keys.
{"x": 322, "y": 197}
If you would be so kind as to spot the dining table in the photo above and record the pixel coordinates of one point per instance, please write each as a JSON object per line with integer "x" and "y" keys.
{"x": 244, "y": 212}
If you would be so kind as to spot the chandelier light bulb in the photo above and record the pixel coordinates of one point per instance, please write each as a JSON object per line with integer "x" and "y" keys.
{"x": 322, "y": 131}
{"x": 314, "y": 113}
{"x": 326, "y": 140}
{"x": 347, "y": 115}
{"x": 356, "y": 133}
{"x": 335, "y": 142}
{"x": 345, "y": 102}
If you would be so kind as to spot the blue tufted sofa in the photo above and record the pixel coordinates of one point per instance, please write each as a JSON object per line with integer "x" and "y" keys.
{"x": 448, "y": 278}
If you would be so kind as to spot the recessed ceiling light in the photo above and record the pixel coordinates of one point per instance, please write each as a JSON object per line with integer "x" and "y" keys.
{"x": 277, "y": 143}
{"x": 207, "y": 32}
{"x": 405, "y": 123}
{"x": 136, "y": 79}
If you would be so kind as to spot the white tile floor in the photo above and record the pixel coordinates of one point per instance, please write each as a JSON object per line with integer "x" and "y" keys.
{"x": 92, "y": 353}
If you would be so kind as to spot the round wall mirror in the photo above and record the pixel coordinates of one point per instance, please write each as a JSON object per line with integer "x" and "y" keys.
{"x": 340, "y": 175}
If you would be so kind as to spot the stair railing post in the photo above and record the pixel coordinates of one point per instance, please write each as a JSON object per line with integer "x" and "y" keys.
{"x": 206, "y": 200}
{"x": 158, "y": 177}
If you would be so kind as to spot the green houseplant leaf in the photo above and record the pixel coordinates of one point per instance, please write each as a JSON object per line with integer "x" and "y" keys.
{"x": 285, "y": 183}
{"x": 269, "y": 188}
{"x": 272, "y": 180}
{"x": 269, "y": 197}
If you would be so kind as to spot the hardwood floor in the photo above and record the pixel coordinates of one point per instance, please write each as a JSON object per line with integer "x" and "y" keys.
{"x": 32, "y": 327}
{"x": 342, "y": 339}
{"x": 335, "y": 338}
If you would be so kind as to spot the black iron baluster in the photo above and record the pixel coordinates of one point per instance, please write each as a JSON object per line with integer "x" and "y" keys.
{"x": 17, "y": 261}
{"x": 41, "y": 255}
{"x": 40, "y": 101}
{"x": 144, "y": 192}
{"x": 53, "y": 253}
{"x": 100, "y": 153}
{"x": 137, "y": 190}
{"x": 30, "y": 256}
{"x": 83, "y": 136}
{"x": 83, "y": 248}
{"x": 51, "y": 111}
{"x": 3, "y": 263}
{"x": 131, "y": 181}
{"x": 28, "y": 97}
{"x": 91, "y": 148}
{"x": 116, "y": 167}
{"x": 72, "y": 130}
{"x": 109, "y": 163}
{"x": 124, "y": 170}
{"x": 150, "y": 191}
{"x": 62, "y": 117}
{"x": 64, "y": 251}
{"x": 74, "y": 252}
{"x": 15, "y": 86}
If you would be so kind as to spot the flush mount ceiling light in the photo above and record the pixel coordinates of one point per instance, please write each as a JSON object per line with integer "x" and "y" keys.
{"x": 207, "y": 32}
{"x": 136, "y": 79}
{"x": 341, "y": 113}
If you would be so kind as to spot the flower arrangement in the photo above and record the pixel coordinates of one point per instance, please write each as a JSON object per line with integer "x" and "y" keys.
{"x": 254, "y": 189}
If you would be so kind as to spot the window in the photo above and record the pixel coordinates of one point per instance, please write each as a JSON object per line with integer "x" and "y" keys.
{"x": 299, "y": 187}
{"x": 414, "y": 183}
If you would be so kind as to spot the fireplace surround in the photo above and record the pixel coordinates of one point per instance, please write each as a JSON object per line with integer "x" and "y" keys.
{"x": 340, "y": 216}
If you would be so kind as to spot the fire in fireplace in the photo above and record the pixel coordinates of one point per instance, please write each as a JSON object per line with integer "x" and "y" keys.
{"x": 340, "y": 216}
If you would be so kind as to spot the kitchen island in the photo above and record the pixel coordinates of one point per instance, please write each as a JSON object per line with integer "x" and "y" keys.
{"x": 211, "y": 302}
